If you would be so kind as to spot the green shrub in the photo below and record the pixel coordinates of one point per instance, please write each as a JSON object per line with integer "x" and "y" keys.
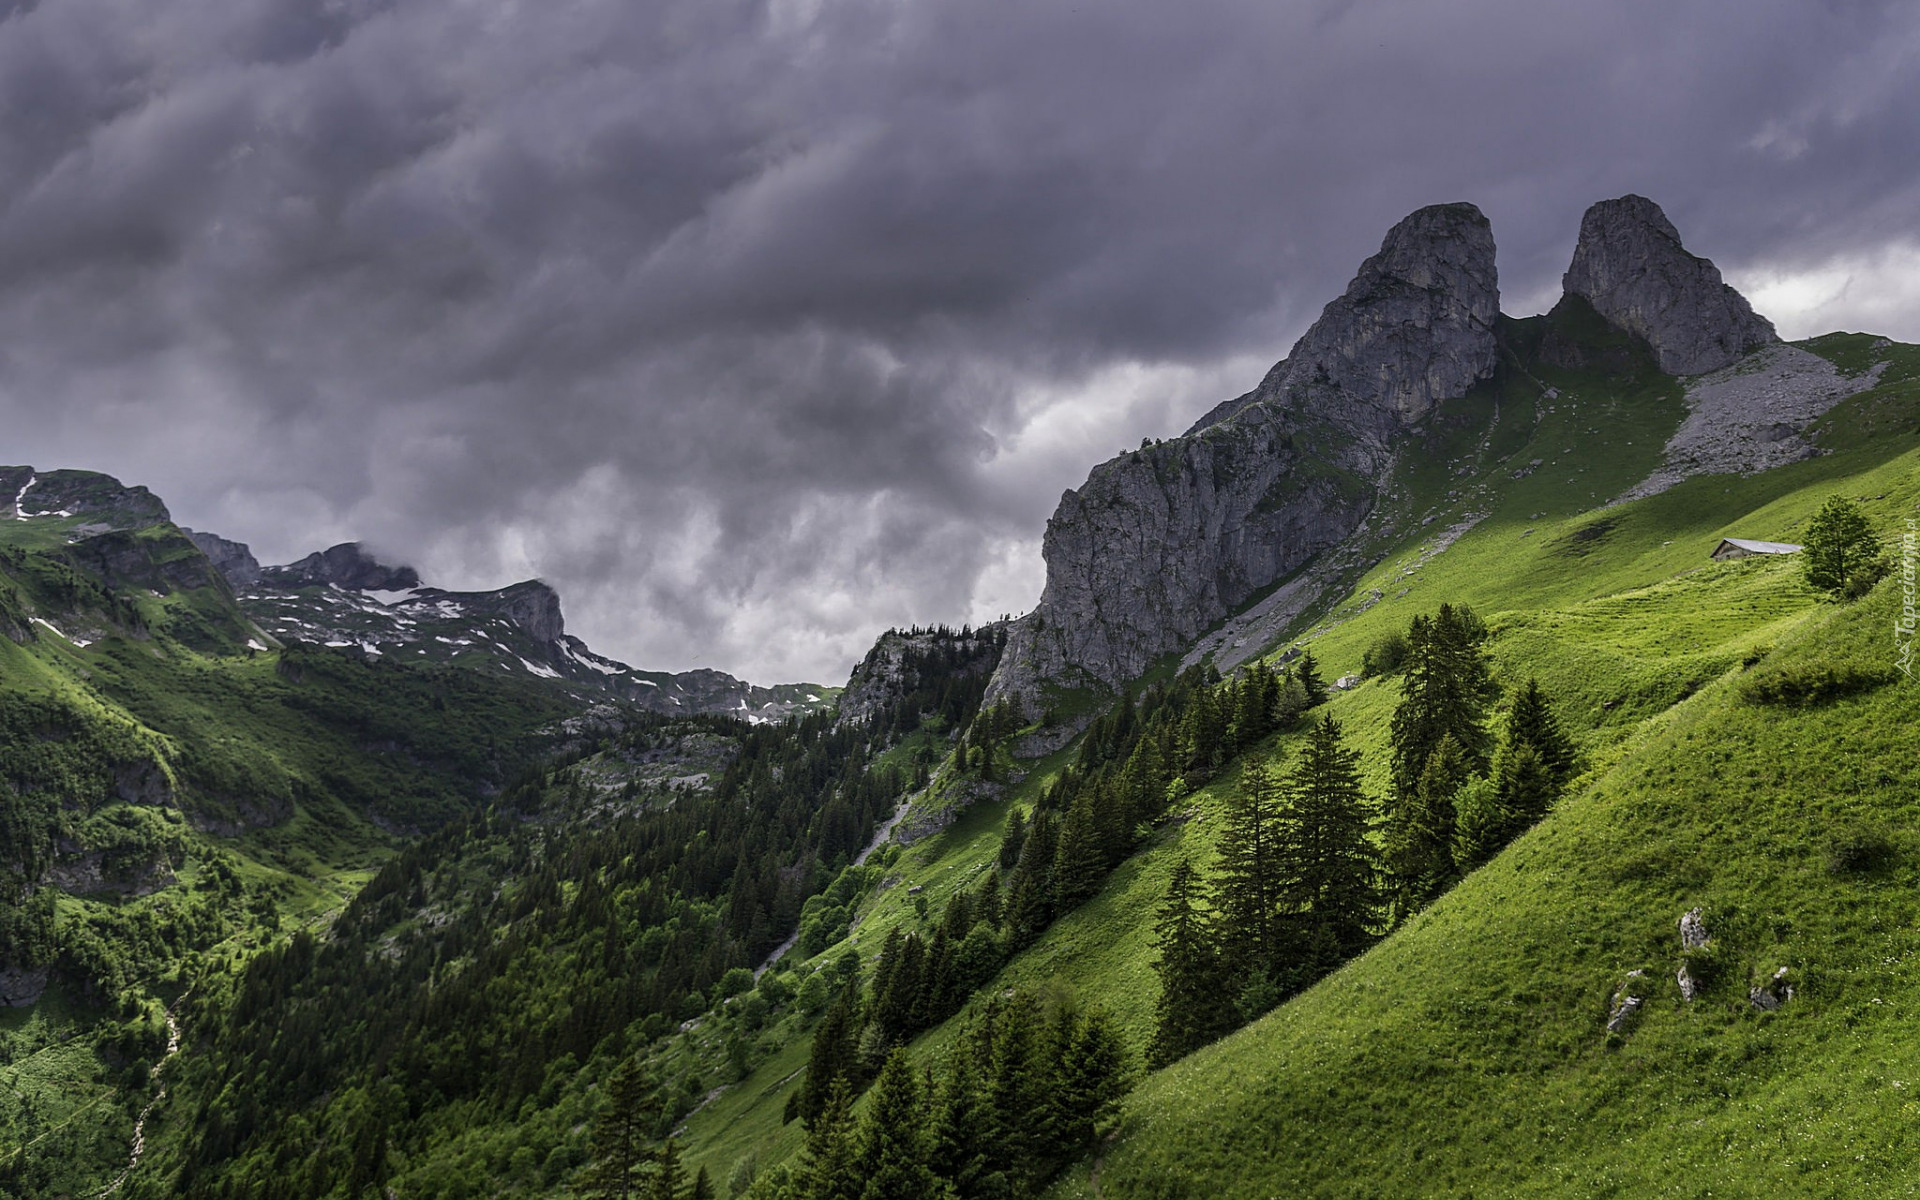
{"x": 1804, "y": 684}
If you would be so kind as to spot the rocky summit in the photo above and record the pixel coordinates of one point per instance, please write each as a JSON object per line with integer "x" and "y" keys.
{"x": 1162, "y": 544}
{"x": 1631, "y": 267}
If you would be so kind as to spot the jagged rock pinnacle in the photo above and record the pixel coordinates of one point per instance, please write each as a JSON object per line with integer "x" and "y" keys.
{"x": 1416, "y": 325}
{"x": 1631, "y": 267}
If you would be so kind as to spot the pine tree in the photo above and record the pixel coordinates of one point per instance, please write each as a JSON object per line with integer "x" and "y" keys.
{"x": 1482, "y": 826}
{"x": 1190, "y": 1010}
{"x": 833, "y": 1057}
{"x": 1251, "y": 932}
{"x": 1014, "y": 839}
{"x": 669, "y": 1177}
{"x": 620, "y": 1133}
{"x": 1531, "y": 722}
{"x": 702, "y": 1187}
{"x": 1093, "y": 1078}
{"x": 1307, "y": 671}
{"x": 1841, "y": 547}
{"x": 1525, "y": 784}
{"x": 1420, "y": 843}
{"x": 1080, "y": 863}
{"x": 960, "y": 1129}
{"x": 1329, "y": 872}
{"x": 828, "y": 1170}
{"x": 892, "y": 1159}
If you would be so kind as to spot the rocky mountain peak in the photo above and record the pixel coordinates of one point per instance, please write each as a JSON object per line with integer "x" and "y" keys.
{"x": 347, "y": 565}
{"x": 1414, "y": 327}
{"x": 1630, "y": 266}
{"x": 232, "y": 559}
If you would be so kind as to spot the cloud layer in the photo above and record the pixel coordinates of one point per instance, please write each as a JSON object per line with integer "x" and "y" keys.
{"x": 756, "y": 328}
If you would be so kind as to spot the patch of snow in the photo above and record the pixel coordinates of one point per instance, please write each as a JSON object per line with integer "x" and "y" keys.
{"x": 812, "y": 699}
{"x": 369, "y": 647}
{"x": 337, "y": 644}
{"x": 17, "y": 514}
{"x": 650, "y": 683}
{"x": 390, "y": 595}
{"x": 542, "y": 672}
{"x": 56, "y": 629}
{"x": 255, "y": 644}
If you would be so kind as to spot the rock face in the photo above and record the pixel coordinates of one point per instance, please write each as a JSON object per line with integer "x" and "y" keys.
{"x": 233, "y": 560}
{"x": 347, "y": 565}
{"x": 1161, "y": 543}
{"x": 900, "y": 660}
{"x": 1631, "y": 267}
{"x": 1415, "y": 327}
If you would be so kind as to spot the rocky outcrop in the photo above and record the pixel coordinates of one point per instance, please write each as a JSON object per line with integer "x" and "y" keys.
{"x": 902, "y": 660}
{"x": 530, "y": 606}
{"x": 21, "y": 987}
{"x": 162, "y": 561}
{"x": 108, "y": 503}
{"x": 1776, "y": 991}
{"x": 1161, "y": 543}
{"x": 233, "y": 560}
{"x": 1630, "y": 266}
{"x": 347, "y": 565}
{"x": 1414, "y": 328}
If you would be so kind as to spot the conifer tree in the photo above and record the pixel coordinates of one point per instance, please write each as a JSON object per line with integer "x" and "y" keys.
{"x": 959, "y": 1130}
{"x": 669, "y": 1177}
{"x": 1093, "y": 1078}
{"x": 1421, "y": 839}
{"x": 833, "y": 1057}
{"x": 1251, "y": 931}
{"x": 629, "y": 1109}
{"x": 1526, "y": 785}
{"x": 892, "y": 1159}
{"x": 1014, "y": 1093}
{"x": 828, "y": 1170}
{"x": 1307, "y": 671}
{"x": 1531, "y": 722}
{"x": 1329, "y": 872}
{"x": 702, "y": 1188}
{"x": 1014, "y": 839}
{"x": 1482, "y": 825}
{"x": 1081, "y": 861}
{"x": 1189, "y": 1012}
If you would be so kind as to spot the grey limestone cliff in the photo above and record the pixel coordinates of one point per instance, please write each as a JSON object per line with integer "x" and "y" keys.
{"x": 1162, "y": 543}
{"x": 232, "y": 559}
{"x": 1631, "y": 267}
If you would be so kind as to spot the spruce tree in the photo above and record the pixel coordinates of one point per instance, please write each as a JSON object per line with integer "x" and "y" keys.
{"x": 1531, "y": 722}
{"x": 1191, "y": 1010}
{"x": 1251, "y": 930}
{"x": 892, "y": 1158}
{"x": 959, "y": 1129}
{"x": 1482, "y": 826}
{"x": 1307, "y": 671}
{"x": 828, "y": 1170}
{"x": 1525, "y": 784}
{"x": 629, "y": 1109}
{"x": 1080, "y": 864}
{"x": 1329, "y": 873}
{"x": 669, "y": 1177}
{"x": 1420, "y": 842}
{"x": 833, "y": 1056}
{"x": 702, "y": 1188}
{"x": 1014, "y": 839}
{"x": 1093, "y": 1078}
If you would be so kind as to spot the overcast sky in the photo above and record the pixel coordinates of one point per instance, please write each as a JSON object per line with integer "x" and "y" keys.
{"x": 758, "y": 328}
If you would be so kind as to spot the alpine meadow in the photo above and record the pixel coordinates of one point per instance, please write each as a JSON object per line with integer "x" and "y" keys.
{"x": 1481, "y": 760}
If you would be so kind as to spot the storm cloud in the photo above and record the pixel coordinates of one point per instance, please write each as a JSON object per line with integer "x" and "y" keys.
{"x": 758, "y": 327}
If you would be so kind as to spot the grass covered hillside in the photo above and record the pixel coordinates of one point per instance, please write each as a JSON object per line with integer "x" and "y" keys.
{"x": 179, "y": 797}
{"x": 1467, "y": 1053}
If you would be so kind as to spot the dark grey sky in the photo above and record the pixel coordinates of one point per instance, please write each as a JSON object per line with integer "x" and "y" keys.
{"x": 756, "y": 328}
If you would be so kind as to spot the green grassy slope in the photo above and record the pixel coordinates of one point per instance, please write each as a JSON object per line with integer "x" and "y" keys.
{"x": 1495, "y": 998}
